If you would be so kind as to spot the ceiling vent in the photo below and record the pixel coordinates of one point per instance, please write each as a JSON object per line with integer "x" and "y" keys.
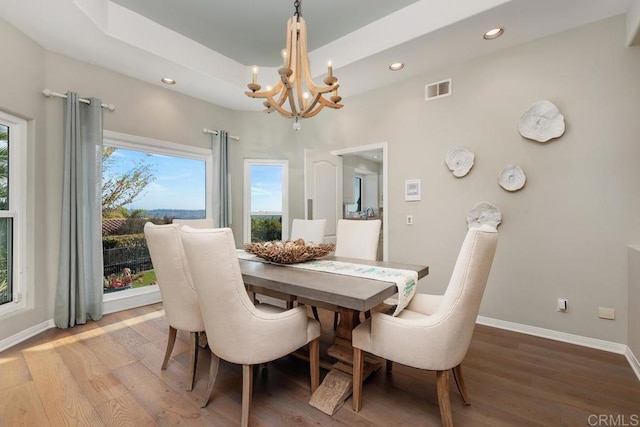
{"x": 437, "y": 90}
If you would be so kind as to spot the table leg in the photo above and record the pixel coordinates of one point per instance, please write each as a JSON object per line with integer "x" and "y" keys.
{"x": 337, "y": 385}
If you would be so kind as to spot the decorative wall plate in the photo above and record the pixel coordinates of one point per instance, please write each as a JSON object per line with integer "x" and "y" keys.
{"x": 484, "y": 213}
{"x": 459, "y": 160}
{"x": 512, "y": 178}
{"x": 542, "y": 122}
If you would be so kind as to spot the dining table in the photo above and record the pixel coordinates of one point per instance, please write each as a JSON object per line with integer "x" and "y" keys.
{"x": 350, "y": 295}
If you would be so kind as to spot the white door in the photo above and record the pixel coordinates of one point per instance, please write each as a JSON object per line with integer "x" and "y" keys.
{"x": 323, "y": 190}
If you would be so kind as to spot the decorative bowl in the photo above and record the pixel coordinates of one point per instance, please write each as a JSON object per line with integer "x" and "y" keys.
{"x": 289, "y": 251}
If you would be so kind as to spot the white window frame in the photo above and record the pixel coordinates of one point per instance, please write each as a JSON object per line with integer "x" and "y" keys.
{"x": 17, "y": 211}
{"x": 131, "y": 298}
{"x": 247, "y": 196}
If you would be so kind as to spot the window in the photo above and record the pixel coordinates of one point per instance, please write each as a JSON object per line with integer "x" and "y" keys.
{"x": 146, "y": 180}
{"x": 266, "y": 201}
{"x": 13, "y": 141}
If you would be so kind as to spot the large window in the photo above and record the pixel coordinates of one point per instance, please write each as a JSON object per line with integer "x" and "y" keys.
{"x": 266, "y": 200}
{"x": 146, "y": 180}
{"x": 12, "y": 212}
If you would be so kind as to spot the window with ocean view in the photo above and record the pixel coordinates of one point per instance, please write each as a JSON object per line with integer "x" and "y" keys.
{"x": 266, "y": 200}
{"x": 146, "y": 182}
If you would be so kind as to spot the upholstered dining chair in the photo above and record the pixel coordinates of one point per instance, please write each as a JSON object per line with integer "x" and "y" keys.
{"x": 434, "y": 331}
{"x": 237, "y": 330}
{"x": 195, "y": 223}
{"x": 179, "y": 297}
{"x": 356, "y": 239}
{"x": 310, "y": 230}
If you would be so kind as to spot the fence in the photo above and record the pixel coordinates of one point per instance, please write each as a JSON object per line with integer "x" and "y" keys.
{"x": 135, "y": 257}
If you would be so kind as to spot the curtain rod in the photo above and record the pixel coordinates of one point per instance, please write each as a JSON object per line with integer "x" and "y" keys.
{"x": 215, "y": 132}
{"x": 48, "y": 93}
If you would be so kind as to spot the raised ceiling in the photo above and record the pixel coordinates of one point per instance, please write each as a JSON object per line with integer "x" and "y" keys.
{"x": 209, "y": 46}
{"x": 254, "y": 32}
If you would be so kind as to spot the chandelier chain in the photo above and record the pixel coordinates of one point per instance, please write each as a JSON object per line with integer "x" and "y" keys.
{"x": 296, "y": 4}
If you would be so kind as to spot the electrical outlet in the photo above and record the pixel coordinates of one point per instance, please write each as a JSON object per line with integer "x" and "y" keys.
{"x": 563, "y": 304}
{"x": 409, "y": 219}
{"x": 607, "y": 313}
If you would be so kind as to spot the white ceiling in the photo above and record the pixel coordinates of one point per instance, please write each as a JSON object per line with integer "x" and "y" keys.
{"x": 209, "y": 46}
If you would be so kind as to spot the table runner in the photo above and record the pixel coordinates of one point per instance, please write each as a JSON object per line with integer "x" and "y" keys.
{"x": 405, "y": 280}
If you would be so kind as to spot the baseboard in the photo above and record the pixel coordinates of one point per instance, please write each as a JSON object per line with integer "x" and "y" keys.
{"x": 633, "y": 361}
{"x": 609, "y": 346}
{"x": 26, "y": 334}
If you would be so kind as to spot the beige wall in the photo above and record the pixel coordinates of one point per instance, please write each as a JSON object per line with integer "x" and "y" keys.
{"x": 565, "y": 234}
{"x": 141, "y": 109}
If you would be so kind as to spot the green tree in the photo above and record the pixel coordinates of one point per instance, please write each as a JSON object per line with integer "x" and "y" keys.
{"x": 120, "y": 189}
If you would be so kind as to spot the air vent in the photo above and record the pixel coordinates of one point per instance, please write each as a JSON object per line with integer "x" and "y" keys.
{"x": 437, "y": 90}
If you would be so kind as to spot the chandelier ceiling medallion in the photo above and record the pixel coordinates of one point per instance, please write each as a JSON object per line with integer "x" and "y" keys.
{"x": 296, "y": 86}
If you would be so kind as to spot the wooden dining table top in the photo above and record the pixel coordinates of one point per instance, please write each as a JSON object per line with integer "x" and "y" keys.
{"x": 351, "y": 292}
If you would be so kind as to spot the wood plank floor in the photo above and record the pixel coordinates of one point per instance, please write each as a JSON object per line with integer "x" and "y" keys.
{"x": 108, "y": 373}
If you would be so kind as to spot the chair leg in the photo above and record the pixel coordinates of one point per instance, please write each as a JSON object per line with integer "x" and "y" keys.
{"x": 358, "y": 367}
{"x": 335, "y": 321}
{"x": 247, "y": 388}
{"x": 170, "y": 343}
{"x": 314, "y": 363}
{"x": 442, "y": 383}
{"x": 389, "y": 366}
{"x": 315, "y": 312}
{"x": 193, "y": 359}
{"x": 213, "y": 374}
{"x": 457, "y": 376}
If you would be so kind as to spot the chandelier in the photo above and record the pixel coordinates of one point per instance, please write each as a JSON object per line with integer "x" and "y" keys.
{"x": 295, "y": 95}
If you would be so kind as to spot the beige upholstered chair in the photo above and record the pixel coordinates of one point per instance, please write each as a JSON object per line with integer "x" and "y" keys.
{"x": 178, "y": 295}
{"x": 356, "y": 239}
{"x": 195, "y": 223}
{"x": 238, "y": 331}
{"x": 310, "y": 230}
{"x": 434, "y": 331}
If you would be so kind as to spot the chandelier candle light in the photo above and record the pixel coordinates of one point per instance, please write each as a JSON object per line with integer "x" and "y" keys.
{"x": 296, "y": 85}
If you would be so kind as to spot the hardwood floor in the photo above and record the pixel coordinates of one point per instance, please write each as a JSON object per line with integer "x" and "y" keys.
{"x": 108, "y": 373}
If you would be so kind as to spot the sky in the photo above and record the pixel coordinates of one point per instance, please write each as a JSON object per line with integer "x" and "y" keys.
{"x": 180, "y": 183}
{"x": 266, "y": 188}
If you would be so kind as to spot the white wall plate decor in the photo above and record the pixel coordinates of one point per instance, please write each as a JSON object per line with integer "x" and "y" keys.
{"x": 459, "y": 160}
{"x": 484, "y": 213}
{"x": 512, "y": 178}
{"x": 542, "y": 122}
{"x": 412, "y": 191}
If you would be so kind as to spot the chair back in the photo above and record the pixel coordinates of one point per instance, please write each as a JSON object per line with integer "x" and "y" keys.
{"x": 358, "y": 238}
{"x": 310, "y": 230}
{"x": 195, "y": 223}
{"x": 179, "y": 297}
{"x": 237, "y": 331}
{"x": 460, "y": 304}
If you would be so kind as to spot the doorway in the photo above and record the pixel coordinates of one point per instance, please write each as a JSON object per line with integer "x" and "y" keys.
{"x": 376, "y": 153}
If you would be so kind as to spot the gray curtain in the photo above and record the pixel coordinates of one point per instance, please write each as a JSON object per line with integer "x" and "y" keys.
{"x": 79, "y": 292}
{"x": 221, "y": 194}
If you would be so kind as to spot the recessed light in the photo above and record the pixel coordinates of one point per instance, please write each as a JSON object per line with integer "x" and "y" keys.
{"x": 493, "y": 34}
{"x": 168, "y": 81}
{"x": 396, "y": 66}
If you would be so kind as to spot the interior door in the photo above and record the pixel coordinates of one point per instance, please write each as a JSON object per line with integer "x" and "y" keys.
{"x": 323, "y": 189}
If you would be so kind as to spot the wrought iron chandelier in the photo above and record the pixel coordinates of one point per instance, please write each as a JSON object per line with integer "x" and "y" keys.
{"x": 296, "y": 86}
